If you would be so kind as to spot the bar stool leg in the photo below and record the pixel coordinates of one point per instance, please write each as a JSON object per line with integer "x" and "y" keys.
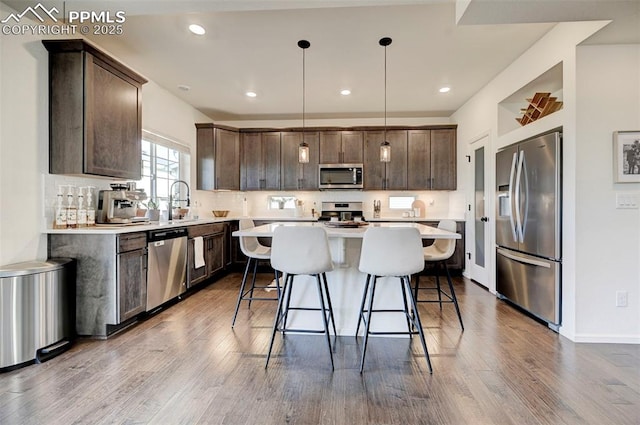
{"x": 368, "y": 322}
{"x": 418, "y": 324}
{"x": 285, "y": 313}
{"x": 276, "y": 321}
{"x": 453, "y": 295}
{"x": 325, "y": 321}
{"x": 406, "y": 307}
{"x": 438, "y": 264}
{"x": 364, "y": 299}
{"x": 253, "y": 281}
{"x": 244, "y": 282}
{"x": 326, "y": 290}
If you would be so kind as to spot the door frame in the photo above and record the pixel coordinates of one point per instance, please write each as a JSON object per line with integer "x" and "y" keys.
{"x": 485, "y": 140}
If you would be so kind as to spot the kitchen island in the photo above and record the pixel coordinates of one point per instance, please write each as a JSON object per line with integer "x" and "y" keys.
{"x": 346, "y": 282}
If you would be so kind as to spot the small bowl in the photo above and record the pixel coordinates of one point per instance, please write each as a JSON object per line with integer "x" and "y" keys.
{"x": 220, "y": 213}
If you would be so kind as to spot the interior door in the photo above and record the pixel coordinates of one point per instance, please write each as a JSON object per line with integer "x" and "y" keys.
{"x": 479, "y": 260}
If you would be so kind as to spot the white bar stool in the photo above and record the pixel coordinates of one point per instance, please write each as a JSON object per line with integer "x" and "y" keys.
{"x": 438, "y": 253}
{"x": 391, "y": 252}
{"x": 255, "y": 251}
{"x": 302, "y": 251}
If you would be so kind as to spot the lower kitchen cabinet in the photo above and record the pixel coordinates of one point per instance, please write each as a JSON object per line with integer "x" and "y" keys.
{"x": 456, "y": 262}
{"x": 215, "y": 251}
{"x": 111, "y": 279}
{"x": 131, "y": 274}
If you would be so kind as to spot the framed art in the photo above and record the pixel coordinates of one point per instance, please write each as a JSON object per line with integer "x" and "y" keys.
{"x": 626, "y": 156}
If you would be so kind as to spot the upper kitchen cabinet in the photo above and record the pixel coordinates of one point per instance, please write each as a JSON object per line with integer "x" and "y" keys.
{"x": 431, "y": 159}
{"x": 341, "y": 147}
{"x": 95, "y": 112}
{"x": 217, "y": 158}
{"x": 260, "y": 168}
{"x": 296, "y": 175}
{"x": 385, "y": 175}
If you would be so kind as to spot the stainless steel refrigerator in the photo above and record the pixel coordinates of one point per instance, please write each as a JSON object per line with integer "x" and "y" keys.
{"x": 528, "y": 226}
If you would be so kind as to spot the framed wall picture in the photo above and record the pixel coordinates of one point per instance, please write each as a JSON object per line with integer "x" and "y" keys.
{"x": 626, "y": 156}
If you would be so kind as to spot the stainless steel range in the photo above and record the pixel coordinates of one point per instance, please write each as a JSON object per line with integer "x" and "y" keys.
{"x": 343, "y": 211}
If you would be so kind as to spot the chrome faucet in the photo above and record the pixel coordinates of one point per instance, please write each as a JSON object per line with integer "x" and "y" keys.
{"x": 171, "y": 197}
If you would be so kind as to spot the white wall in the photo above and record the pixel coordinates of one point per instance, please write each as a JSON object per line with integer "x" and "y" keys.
{"x": 581, "y": 297}
{"x": 607, "y": 239}
{"x": 24, "y": 136}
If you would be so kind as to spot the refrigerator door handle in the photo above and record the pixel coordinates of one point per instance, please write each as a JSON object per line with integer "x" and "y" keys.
{"x": 511, "y": 187}
{"x": 519, "y": 231}
{"x": 525, "y": 218}
{"x": 524, "y": 260}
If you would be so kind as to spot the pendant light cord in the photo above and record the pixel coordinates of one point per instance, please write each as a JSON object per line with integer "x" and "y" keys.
{"x": 385, "y": 93}
{"x": 303, "y": 91}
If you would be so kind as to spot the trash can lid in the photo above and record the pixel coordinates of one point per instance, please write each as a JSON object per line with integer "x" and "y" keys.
{"x": 33, "y": 267}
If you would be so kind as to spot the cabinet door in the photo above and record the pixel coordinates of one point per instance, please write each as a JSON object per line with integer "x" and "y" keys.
{"x": 215, "y": 256}
{"x": 271, "y": 160}
{"x": 132, "y": 283}
{"x": 113, "y": 132}
{"x": 352, "y": 147}
{"x": 205, "y": 157}
{"x": 290, "y": 168}
{"x": 252, "y": 171}
{"x": 330, "y": 147}
{"x": 374, "y": 170}
{"x": 227, "y": 159}
{"x": 443, "y": 159}
{"x": 396, "y": 170}
{"x": 419, "y": 160}
{"x": 309, "y": 171}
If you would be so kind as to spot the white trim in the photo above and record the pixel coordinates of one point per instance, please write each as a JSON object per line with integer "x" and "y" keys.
{"x": 607, "y": 339}
{"x": 166, "y": 141}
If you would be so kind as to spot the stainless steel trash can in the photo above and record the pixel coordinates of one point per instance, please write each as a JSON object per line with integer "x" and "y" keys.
{"x": 37, "y": 311}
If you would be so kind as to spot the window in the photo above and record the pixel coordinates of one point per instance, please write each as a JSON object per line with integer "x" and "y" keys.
{"x": 163, "y": 162}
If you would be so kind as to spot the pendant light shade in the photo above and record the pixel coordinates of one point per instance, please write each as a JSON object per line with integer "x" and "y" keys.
{"x": 303, "y": 148}
{"x": 385, "y": 146}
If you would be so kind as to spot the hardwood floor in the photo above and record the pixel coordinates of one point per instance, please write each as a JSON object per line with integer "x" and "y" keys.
{"x": 186, "y": 366}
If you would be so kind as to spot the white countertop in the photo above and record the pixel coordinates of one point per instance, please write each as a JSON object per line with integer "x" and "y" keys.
{"x": 427, "y": 232}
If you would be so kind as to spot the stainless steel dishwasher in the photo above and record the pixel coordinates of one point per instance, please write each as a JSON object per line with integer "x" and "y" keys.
{"x": 167, "y": 267}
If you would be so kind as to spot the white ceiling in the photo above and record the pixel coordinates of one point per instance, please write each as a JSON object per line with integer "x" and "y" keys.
{"x": 252, "y": 45}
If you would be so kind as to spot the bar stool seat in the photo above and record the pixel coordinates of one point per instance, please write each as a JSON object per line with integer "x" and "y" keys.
{"x": 254, "y": 251}
{"x": 391, "y": 252}
{"x": 438, "y": 253}
{"x": 298, "y": 251}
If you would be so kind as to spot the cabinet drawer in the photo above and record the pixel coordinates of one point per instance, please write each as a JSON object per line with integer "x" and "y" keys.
{"x": 131, "y": 241}
{"x": 205, "y": 229}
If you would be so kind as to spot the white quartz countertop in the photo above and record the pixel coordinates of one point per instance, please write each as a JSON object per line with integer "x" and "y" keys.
{"x": 427, "y": 232}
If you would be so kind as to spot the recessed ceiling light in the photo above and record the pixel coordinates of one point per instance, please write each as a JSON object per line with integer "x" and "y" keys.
{"x": 444, "y": 89}
{"x": 184, "y": 87}
{"x": 251, "y": 94}
{"x": 345, "y": 92}
{"x": 196, "y": 29}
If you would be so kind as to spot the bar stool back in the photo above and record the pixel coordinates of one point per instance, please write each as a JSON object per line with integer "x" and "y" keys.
{"x": 254, "y": 251}
{"x": 297, "y": 250}
{"x": 391, "y": 252}
{"x": 438, "y": 253}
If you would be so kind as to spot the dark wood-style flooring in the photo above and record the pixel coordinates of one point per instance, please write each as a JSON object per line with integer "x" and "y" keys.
{"x": 186, "y": 365}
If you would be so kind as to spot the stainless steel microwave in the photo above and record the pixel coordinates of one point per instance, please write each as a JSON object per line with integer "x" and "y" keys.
{"x": 340, "y": 176}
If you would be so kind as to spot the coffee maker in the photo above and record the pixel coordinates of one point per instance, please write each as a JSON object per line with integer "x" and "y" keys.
{"x": 118, "y": 206}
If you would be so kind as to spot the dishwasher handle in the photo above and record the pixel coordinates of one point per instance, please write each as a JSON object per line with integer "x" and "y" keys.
{"x": 161, "y": 235}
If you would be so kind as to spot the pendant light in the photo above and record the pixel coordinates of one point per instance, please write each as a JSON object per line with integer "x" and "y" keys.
{"x": 303, "y": 148}
{"x": 385, "y": 147}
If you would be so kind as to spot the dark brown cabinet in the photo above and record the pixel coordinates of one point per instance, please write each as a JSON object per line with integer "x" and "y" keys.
{"x": 217, "y": 158}
{"x": 385, "y": 175}
{"x": 260, "y": 168}
{"x": 341, "y": 147}
{"x": 432, "y": 160}
{"x": 294, "y": 175}
{"x": 131, "y": 274}
{"x": 215, "y": 251}
{"x": 95, "y": 112}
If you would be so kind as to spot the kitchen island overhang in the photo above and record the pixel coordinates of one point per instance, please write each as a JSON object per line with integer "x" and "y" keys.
{"x": 346, "y": 282}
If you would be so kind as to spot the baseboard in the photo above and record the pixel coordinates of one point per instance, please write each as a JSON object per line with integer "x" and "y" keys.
{"x": 607, "y": 339}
